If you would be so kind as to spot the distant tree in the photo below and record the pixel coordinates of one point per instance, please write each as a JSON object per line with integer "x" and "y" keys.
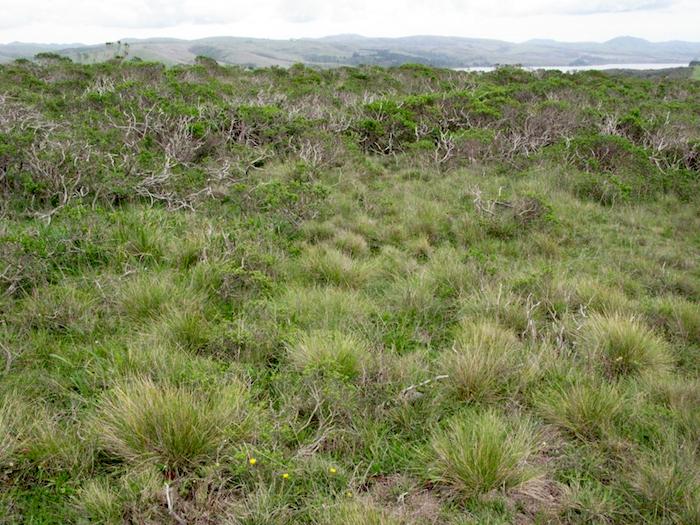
{"x": 206, "y": 61}
{"x": 46, "y": 58}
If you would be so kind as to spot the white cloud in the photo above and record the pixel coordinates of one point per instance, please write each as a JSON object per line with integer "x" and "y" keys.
{"x": 97, "y": 21}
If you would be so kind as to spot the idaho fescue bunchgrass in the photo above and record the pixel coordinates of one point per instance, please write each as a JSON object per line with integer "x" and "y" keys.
{"x": 483, "y": 361}
{"x": 176, "y": 428}
{"x": 623, "y": 346}
{"x": 480, "y": 452}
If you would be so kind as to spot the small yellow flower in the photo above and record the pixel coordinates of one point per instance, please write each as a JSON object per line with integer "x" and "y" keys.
{"x": 252, "y": 461}
{"x": 285, "y": 475}
{"x": 332, "y": 470}
{"x": 348, "y": 494}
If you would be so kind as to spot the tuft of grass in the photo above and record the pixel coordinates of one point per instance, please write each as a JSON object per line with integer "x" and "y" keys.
{"x": 351, "y": 243}
{"x": 332, "y": 352}
{"x": 327, "y": 265}
{"x": 480, "y": 452}
{"x": 356, "y": 513}
{"x": 494, "y": 302}
{"x": 186, "y": 327}
{"x": 482, "y": 362}
{"x": 175, "y": 427}
{"x": 590, "y": 502}
{"x": 61, "y": 309}
{"x": 623, "y": 346}
{"x": 584, "y": 409}
{"x": 665, "y": 487}
{"x": 98, "y": 502}
{"x": 679, "y": 317}
{"x": 328, "y": 308}
{"x": 682, "y": 397}
{"x": 13, "y": 426}
{"x": 146, "y": 297}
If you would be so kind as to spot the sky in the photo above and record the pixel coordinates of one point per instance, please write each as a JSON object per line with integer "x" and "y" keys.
{"x": 96, "y": 21}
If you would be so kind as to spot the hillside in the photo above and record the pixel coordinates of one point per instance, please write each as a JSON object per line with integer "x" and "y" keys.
{"x": 347, "y": 296}
{"x": 355, "y": 50}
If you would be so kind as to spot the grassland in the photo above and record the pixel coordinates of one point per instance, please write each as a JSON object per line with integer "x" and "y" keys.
{"x": 352, "y": 296}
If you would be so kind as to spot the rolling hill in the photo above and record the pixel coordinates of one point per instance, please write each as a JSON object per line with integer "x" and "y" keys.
{"x": 355, "y": 49}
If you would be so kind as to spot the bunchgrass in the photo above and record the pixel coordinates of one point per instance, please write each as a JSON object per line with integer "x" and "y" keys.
{"x": 176, "y": 428}
{"x": 623, "y": 346}
{"x": 479, "y": 452}
{"x": 585, "y": 409}
{"x": 483, "y": 362}
{"x": 14, "y": 428}
{"x": 329, "y": 352}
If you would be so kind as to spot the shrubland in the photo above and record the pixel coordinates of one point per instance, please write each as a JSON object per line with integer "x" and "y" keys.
{"x": 358, "y": 295}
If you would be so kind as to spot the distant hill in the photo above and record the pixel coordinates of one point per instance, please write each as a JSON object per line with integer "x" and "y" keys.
{"x": 355, "y": 49}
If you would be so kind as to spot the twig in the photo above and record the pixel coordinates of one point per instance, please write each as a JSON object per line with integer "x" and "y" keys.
{"x": 423, "y": 383}
{"x": 171, "y": 510}
{"x": 8, "y": 359}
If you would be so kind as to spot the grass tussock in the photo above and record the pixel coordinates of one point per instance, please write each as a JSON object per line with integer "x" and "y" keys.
{"x": 623, "y": 346}
{"x": 176, "y": 428}
{"x": 666, "y": 488}
{"x": 13, "y": 426}
{"x": 586, "y": 410}
{"x": 357, "y": 513}
{"x": 483, "y": 362}
{"x": 329, "y": 352}
{"x": 480, "y": 452}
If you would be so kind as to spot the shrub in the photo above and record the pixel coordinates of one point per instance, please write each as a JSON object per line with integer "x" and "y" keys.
{"x": 482, "y": 362}
{"x": 175, "y": 427}
{"x": 623, "y": 346}
{"x": 481, "y": 451}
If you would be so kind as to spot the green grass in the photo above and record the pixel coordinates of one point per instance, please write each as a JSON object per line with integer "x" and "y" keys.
{"x": 481, "y": 452}
{"x": 173, "y": 428}
{"x": 509, "y": 336}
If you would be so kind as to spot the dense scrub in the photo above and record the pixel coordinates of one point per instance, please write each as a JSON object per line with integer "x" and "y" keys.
{"x": 361, "y": 295}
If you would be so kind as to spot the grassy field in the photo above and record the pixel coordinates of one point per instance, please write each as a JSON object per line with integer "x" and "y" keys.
{"x": 696, "y": 73}
{"x": 358, "y": 296}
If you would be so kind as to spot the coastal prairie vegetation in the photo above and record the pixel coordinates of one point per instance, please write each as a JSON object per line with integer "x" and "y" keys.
{"x": 358, "y": 295}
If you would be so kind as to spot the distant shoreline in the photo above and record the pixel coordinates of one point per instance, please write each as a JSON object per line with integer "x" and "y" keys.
{"x": 595, "y": 67}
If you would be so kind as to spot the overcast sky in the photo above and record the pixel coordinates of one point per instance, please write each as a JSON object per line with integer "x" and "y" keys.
{"x": 95, "y": 21}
